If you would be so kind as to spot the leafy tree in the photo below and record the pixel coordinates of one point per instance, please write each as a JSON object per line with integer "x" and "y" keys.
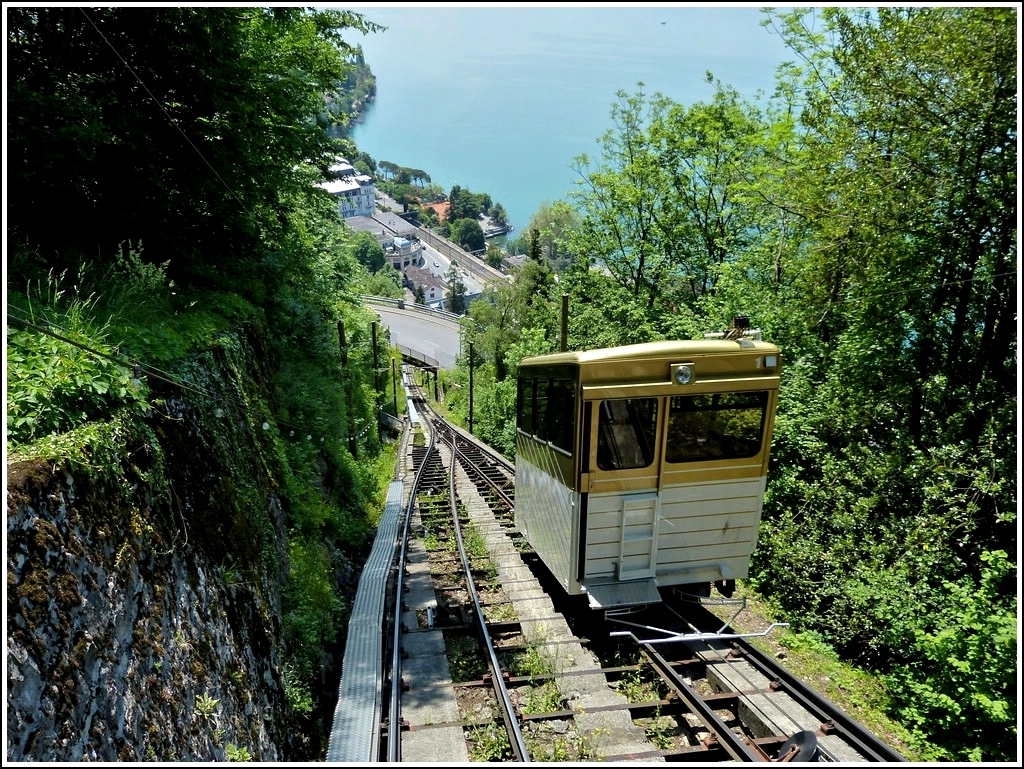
{"x": 364, "y": 163}
{"x": 675, "y": 199}
{"x": 387, "y": 281}
{"x": 534, "y": 251}
{"x": 498, "y": 213}
{"x": 388, "y": 170}
{"x": 620, "y": 199}
{"x": 419, "y": 177}
{"x": 428, "y": 217}
{"x": 902, "y": 380}
{"x": 553, "y": 223}
{"x": 195, "y": 129}
{"x": 431, "y": 193}
{"x": 469, "y": 234}
{"x": 368, "y": 251}
{"x": 403, "y": 193}
{"x": 462, "y": 204}
{"x": 466, "y": 204}
{"x": 713, "y": 154}
{"x": 958, "y": 687}
{"x": 455, "y": 296}
{"x": 505, "y": 309}
{"x": 494, "y": 256}
{"x": 603, "y": 313}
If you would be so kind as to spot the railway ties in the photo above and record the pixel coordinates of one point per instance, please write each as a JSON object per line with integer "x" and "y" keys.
{"x": 746, "y": 705}
{"x": 573, "y": 707}
{"x": 598, "y": 712}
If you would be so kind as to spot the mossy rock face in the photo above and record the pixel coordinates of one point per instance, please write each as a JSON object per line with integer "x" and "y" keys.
{"x": 137, "y": 588}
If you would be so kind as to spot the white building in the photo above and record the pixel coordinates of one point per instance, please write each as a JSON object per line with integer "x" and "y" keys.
{"x": 354, "y": 191}
{"x": 402, "y": 252}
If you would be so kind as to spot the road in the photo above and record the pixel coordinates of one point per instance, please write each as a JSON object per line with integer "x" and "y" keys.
{"x": 431, "y": 336}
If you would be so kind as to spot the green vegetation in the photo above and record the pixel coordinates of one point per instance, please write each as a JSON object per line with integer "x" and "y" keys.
{"x": 658, "y": 730}
{"x": 465, "y": 660}
{"x": 468, "y": 233}
{"x": 236, "y": 753}
{"x": 488, "y": 742}
{"x": 531, "y": 662}
{"x": 191, "y": 300}
{"x": 864, "y": 218}
{"x": 640, "y": 686}
{"x": 544, "y": 697}
{"x": 206, "y": 707}
{"x": 455, "y": 296}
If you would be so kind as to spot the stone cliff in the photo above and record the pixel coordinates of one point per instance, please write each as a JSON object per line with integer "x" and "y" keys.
{"x": 144, "y": 597}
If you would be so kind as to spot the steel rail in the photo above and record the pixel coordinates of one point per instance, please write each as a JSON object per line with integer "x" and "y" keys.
{"x": 833, "y": 719}
{"x": 737, "y": 747}
{"x": 508, "y": 713}
{"x": 395, "y": 712}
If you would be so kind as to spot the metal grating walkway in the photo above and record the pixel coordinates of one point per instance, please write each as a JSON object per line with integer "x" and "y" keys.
{"x": 355, "y": 734}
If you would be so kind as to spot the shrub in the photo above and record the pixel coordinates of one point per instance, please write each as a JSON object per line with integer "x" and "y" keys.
{"x": 61, "y": 370}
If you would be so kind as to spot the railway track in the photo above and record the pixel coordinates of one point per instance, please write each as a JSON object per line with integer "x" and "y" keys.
{"x": 496, "y": 663}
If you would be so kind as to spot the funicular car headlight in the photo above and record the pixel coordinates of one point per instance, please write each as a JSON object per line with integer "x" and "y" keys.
{"x": 684, "y": 374}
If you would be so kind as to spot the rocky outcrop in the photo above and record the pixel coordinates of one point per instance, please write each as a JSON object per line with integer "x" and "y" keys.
{"x": 143, "y": 606}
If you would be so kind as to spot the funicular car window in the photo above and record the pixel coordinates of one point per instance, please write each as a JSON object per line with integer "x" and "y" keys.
{"x": 625, "y": 433}
{"x": 715, "y": 426}
{"x": 540, "y": 405}
{"x": 562, "y": 413}
{"x": 524, "y": 416}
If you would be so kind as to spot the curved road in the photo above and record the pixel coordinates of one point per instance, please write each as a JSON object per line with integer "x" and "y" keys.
{"x": 430, "y": 336}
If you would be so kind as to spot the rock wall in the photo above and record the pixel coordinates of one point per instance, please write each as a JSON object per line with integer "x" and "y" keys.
{"x": 143, "y": 609}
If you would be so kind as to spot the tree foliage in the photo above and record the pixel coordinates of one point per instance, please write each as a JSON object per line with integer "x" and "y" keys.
{"x": 865, "y": 218}
{"x": 548, "y": 232}
{"x": 676, "y": 201}
{"x": 200, "y": 132}
{"x": 455, "y": 296}
{"x": 367, "y": 251}
{"x": 466, "y": 204}
{"x": 469, "y": 234}
{"x": 898, "y": 418}
{"x": 196, "y": 130}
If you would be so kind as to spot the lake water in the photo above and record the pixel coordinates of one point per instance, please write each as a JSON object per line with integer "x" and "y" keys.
{"x": 501, "y": 100}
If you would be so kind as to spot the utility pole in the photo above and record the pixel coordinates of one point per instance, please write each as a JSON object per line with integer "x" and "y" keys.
{"x": 471, "y": 387}
{"x": 394, "y": 387}
{"x": 373, "y": 337}
{"x": 565, "y": 322}
{"x": 352, "y": 446}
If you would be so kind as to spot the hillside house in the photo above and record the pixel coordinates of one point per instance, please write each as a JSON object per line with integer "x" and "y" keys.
{"x": 355, "y": 191}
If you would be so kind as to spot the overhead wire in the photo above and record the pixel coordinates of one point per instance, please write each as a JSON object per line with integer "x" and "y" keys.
{"x": 166, "y": 377}
{"x": 154, "y": 372}
{"x": 163, "y": 109}
{"x": 150, "y": 370}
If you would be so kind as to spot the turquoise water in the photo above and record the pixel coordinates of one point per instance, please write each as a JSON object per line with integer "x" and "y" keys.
{"x": 501, "y": 100}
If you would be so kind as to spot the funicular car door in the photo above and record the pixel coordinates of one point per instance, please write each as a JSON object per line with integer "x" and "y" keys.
{"x": 622, "y": 508}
